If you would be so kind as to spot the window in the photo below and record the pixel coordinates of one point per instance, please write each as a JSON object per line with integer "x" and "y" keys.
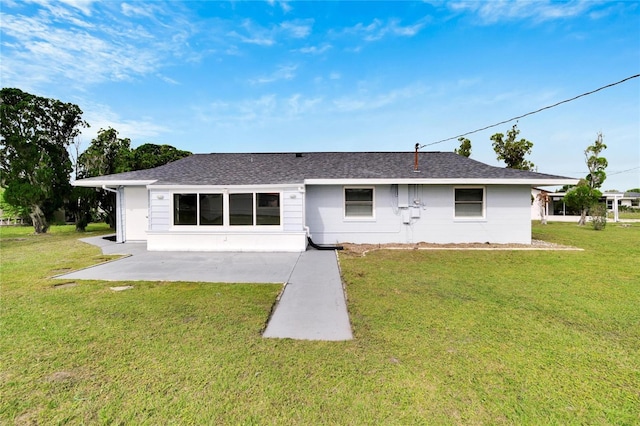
{"x": 241, "y": 209}
{"x": 197, "y": 209}
{"x": 211, "y": 209}
{"x": 245, "y": 209}
{"x": 358, "y": 202}
{"x": 469, "y": 202}
{"x": 268, "y": 209}
{"x": 185, "y": 207}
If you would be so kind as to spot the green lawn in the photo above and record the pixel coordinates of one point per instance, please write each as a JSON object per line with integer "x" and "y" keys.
{"x": 626, "y": 214}
{"x": 441, "y": 337}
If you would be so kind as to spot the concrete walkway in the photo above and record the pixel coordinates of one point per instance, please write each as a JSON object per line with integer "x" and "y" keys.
{"x": 311, "y": 307}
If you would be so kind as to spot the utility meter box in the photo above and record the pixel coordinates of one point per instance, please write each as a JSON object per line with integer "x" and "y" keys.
{"x": 406, "y": 216}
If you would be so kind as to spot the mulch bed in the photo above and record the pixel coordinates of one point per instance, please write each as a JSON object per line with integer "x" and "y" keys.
{"x": 363, "y": 249}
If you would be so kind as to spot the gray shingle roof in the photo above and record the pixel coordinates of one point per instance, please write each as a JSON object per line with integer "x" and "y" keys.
{"x": 289, "y": 168}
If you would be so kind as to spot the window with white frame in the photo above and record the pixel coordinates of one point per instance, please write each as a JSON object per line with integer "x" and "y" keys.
{"x": 244, "y": 209}
{"x": 185, "y": 209}
{"x": 469, "y": 202}
{"x": 241, "y": 209}
{"x": 358, "y": 202}
{"x": 268, "y": 208}
{"x": 211, "y": 209}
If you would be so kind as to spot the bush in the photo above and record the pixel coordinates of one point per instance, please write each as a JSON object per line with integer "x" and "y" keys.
{"x": 598, "y": 216}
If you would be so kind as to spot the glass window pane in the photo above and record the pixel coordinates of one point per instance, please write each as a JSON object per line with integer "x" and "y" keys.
{"x": 365, "y": 210}
{"x": 470, "y": 209}
{"x": 210, "y": 209}
{"x": 469, "y": 194}
{"x": 268, "y": 209}
{"x": 358, "y": 194}
{"x": 184, "y": 209}
{"x": 358, "y": 202}
{"x": 241, "y": 209}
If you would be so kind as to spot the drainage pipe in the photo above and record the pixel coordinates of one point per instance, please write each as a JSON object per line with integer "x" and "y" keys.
{"x": 323, "y": 247}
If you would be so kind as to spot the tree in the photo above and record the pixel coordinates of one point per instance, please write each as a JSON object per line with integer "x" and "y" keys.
{"x": 587, "y": 193}
{"x": 150, "y": 155}
{"x": 511, "y": 151}
{"x": 8, "y": 211}
{"x": 595, "y": 163}
{"x": 107, "y": 154}
{"x": 465, "y": 147}
{"x": 543, "y": 201}
{"x": 581, "y": 197}
{"x": 34, "y": 162}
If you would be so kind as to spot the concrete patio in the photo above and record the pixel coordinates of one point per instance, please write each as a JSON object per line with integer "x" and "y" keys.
{"x": 311, "y": 307}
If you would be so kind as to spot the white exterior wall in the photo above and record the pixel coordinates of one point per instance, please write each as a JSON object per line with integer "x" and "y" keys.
{"x": 135, "y": 213}
{"x": 160, "y": 217}
{"x": 289, "y": 236}
{"x": 507, "y": 217}
{"x": 293, "y": 210}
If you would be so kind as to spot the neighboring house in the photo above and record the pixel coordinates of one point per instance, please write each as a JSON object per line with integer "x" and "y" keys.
{"x": 558, "y": 211}
{"x": 540, "y": 202}
{"x": 272, "y": 202}
{"x": 630, "y": 200}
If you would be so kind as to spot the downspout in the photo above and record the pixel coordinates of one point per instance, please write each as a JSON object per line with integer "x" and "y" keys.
{"x": 318, "y": 246}
{"x": 119, "y": 221}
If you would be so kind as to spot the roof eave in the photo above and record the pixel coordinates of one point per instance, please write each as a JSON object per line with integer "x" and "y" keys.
{"x": 99, "y": 183}
{"x": 451, "y": 181}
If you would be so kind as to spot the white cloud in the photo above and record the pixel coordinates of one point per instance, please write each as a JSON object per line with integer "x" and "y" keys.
{"x": 284, "y": 72}
{"x": 130, "y": 10}
{"x": 58, "y": 8}
{"x": 365, "y": 102}
{"x": 536, "y": 10}
{"x": 251, "y": 33}
{"x": 101, "y": 116}
{"x": 247, "y": 110}
{"x": 314, "y": 50}
{"x": 258, "y": 111}
{"x": 379, "y": 29}
{"x": 167, "y": 79}
{"x": 284, "y": 5}
{"x": 299, "y": 105}
{"x": 59, "y": 44}
{"x": 297, "y": 28}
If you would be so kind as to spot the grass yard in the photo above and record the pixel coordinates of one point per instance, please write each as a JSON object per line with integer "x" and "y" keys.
{"x": 441, "y": 337}
{"x": 626, "y": 214}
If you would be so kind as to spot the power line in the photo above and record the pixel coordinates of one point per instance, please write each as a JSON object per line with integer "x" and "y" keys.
{"x": 623, "y": 171}
{"x": 534, "y": 112}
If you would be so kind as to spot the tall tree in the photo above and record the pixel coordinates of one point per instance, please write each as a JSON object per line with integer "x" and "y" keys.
{"x": 587, "y": 193}
{"x": 595, "y": 163}
{"x": 513, "y": 151}
{"x": 34, "y": 162}
{"x": 150, "y": 155}
{"x": 107, "y": 154}
{"x": 465, "y": 147}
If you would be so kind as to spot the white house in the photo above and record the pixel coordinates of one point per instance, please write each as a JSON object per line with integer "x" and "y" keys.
{"x": 558, "y": 211}
{"x": 273, "y": 201}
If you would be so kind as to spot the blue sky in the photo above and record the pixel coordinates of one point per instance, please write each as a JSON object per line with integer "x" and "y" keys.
{"x": 339, "y": 76}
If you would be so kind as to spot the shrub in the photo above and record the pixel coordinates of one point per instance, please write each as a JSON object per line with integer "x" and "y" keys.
{"x": 598, "y": 216}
